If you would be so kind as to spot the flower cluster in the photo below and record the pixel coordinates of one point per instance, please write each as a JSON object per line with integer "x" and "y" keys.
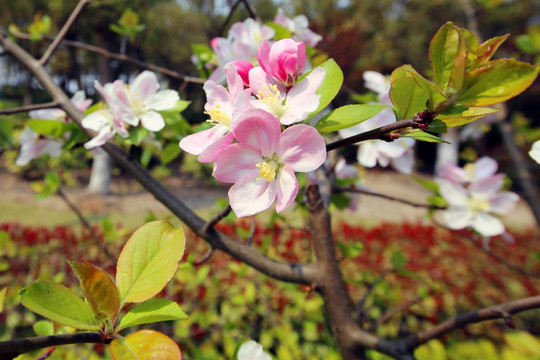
{"x": 243, "y": 40}
{"x": 258, "y": 101}
{"x": 34, "y": 145}
{"x": 129, "y": 105}
{"x": 473, "y": 194}
{"x": 398, "y": 153}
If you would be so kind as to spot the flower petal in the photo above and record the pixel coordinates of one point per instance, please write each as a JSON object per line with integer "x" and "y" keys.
{"x": 487, "y": 225}
{"x": 287, "y": 188}
{"x": 249, "y": 196}
{"x": 302, "y": 148}
{"x": 454, "y": 194}
{"x": 163, "y": 100}
{"x": 484, "y": 167}
{"x": 302, "y": 98}
{"x": 458, "y": 217}
{"x": 196, "y": 143}
{"x": 503, "y": 203}
{"x": 236, "y": 161}
{"x": 535, "y": 151}
{"x": 487, "y": 186}
{"x": 144, "y": 86}
{"x": 258, "y": 128}
{"x": 152, "y": 121}
{"x": 211, "y": 152}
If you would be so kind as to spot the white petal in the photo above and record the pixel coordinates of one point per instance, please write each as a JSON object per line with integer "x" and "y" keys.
{"x": 487, "y": 225}
{"x": 458, "y": 217}
{"x": 152, "y": 121}
{"x": 163, "y": 100}
{"x": 454, "y": 194}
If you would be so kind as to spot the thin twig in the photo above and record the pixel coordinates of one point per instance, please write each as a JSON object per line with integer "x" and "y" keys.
{"x": 58, "y": 39}
{"x": 125, "y": 58}
{"x": 226, "y": 22}
{"x": 251, "y": 10}
{"x": 489, "y": 253}
{"x": 205, "y": 257}
{"x": 391, "y": 312}
{"x": 217, "y": 218}
{"x": 501, "y": 311}
{"x": 375, "y": 134}
{"x": 388, "y": 197}
{"x": 84, "y": 222}
{"x": 26, "y": 108}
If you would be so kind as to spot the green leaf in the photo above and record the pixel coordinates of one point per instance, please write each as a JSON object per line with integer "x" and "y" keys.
{"x": 460, "y": 115}
{"x": 281, "y": 32}
{"x": 350, "y": 250}
{"x": 497, "y": 82}
{"x": 3, "y": 293}
{"x": 487, "y": 49}
{"x": 330, "y": 85}
{"x": 169, "y": 153}
{"x": 180, "y": 106}
{"x": 53, "y": 128}
{"x": 148, "y": 261}
{"x": 435, "y": 95}
{"x": 408, "y": 97}
{"x": 137, "y": 134}
{"x": 437, "y": 126}
{"x": 428, "y": 184}
{"x": 347, "y": 116}
{"x": 58, "y": 303}
{"x": 421, "y": 135}
{"x": 145, "y": 345}
{"x": 6, "y": 133}
{"x": 151, "y": 311}
{"x": 398, "y": 260}
{"x": 448, "y": 55}
{"x": 52, "y": 181}
{"x": 98, "y": 288}
{"x": 43, "y": 328}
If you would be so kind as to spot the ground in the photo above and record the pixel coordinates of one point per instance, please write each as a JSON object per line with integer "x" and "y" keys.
{"x": 130, "y": 204}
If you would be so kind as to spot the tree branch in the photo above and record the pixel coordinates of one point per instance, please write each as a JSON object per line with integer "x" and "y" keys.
{"x": 56, "y": 42}
{"x": 388, "y": 197}
{"x": 12, "y": 348}
{"x": 501, "y": 311}
{"x": 375, "y": 134}
{"x": 26, "y": 108}
{"x": 296, "y": 273}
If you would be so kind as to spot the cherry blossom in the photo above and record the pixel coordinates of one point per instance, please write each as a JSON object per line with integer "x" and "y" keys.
{"x": 482, "y": 168}
{"x": 283, "y": 61}
{"x": 263, "y": 163}
{"x": 141, "y": 101}
{"x": 535, "y": 151}
{"x": 106, "y": 124}
{"x": 298, "y": 26}
{"x": 475, "y": 205}
{"x": 223, "y": 106}
{"x": 34, "y": 145}
{"x": 251, "y": 350}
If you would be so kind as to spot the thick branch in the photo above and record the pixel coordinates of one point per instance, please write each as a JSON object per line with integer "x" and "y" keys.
{"x": 26, "y": 108}
{"x": 502, "y": 311}
{"x": 54, "y": 45}
{"x": 12, "y": 348}
{"x": 297, "y": 273}
{"x": 375, "y": 134}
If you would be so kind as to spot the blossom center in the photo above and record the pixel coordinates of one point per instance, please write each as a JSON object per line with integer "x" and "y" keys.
{"x": 269, "y": 168}
{"x": 218, "y": 116}
{"x": 271, "y": 96}
{"x": 470, "y": 168}
{"x": 478, "y": 203}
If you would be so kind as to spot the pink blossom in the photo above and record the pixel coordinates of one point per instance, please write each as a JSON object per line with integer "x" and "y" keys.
{"x": 141, "y": 101}
{"x": 535, "y": 151}
{"x": 242, "y": 68}
{"x": 263, "y": 163}
{"x": 379, "y": 84}
{"x": 298, "y": 26}
{"x": 288, "y": 105}
{"x": 475, "y": 205}
{"x": 78, "y": 99}
{"x": 224, "y": 106}
{"x": 482, "y": 168}
{"x": 106, "y": 124}
{"x": 283, "y": 61}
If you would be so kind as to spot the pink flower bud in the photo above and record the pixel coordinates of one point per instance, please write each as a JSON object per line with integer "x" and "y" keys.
{"x": 284, "y": 61}
{"x": 242, "y": 68}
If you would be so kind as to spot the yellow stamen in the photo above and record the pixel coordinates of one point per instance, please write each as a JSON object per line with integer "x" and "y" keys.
{"x": 478, "y": 203}
{"x": 218, "y": 116}
{"x": 269, "y": 168}
{"x": 271, "y": 96}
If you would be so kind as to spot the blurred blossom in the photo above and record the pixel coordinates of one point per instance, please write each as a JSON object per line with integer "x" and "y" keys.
{"x": 34, "y": 145}
{"x": 251, "y": 350}
{"x": 535, "y": 151}
{"x": 298, "y": 26}
{"x": 480, "y": 169}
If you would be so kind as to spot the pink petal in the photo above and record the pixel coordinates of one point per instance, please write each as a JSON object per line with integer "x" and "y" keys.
{"x": 101, "y": 138}
{"x": 144, "y": 85}
{"x": 249, "y": 196}
{"x": 258, "y": 128}
{"x": 196, "y": 143}
{"x": 211, "y": 152}
{"x": 488, "y": 186}
{"x": 287, "y": 188}
{"x": 453, "y": 173}
{"x": 242, "y": 68}
{"x": 454, "y": 194}
{"x": 302, "y": 148}
{"x": 503, "y": 203}
{"x": 236, "y": 161}
{"x": 258, "y": 79}
{"x": 235, "y": 82}
{"x": 484, "y": 167}
{"x": 262, "y": 55}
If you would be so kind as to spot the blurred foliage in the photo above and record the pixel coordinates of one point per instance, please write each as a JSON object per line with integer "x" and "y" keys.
{"x": 227, "y": 301}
